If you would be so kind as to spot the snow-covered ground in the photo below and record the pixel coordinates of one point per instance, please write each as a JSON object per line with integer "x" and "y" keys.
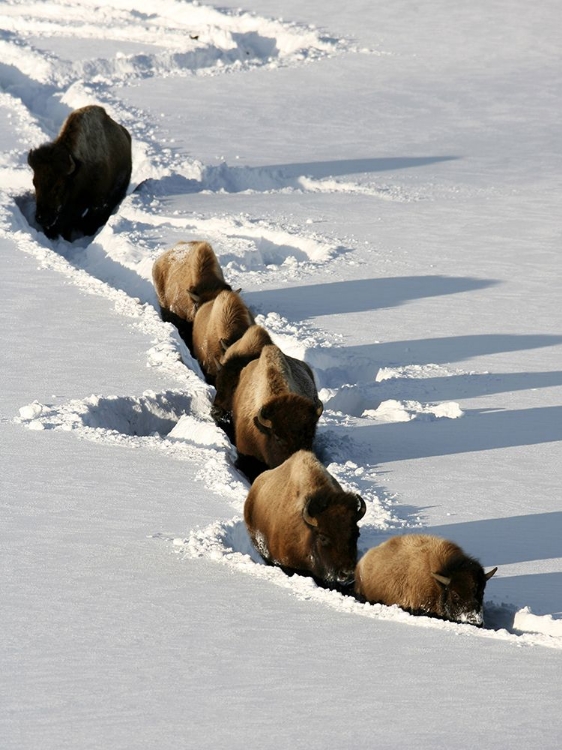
{"x": 383, "y": 182}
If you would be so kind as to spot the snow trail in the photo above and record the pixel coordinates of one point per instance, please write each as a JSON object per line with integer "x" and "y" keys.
{"x": 39, "y": 90}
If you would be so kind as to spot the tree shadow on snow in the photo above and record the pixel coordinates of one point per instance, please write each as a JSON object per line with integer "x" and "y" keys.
{"x": 447, "y": 349}
{"x": 505, "y": 541}
{"x": 355, "y": 399}
{"x": 359, "y": 295}
{"x": 478, "y": 430}
{"x": 454, "y": 387}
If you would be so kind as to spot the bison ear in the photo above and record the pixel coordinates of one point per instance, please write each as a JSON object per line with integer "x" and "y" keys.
{"x": 263, "y": 424}
{"x": 361, "y": 507}
{"x": 319, "y": 407}
{"x": 441, "y": 579}
{"x": 313, "y": 507}
{"x": 487, "y": 576}
{"x": 308, "y": 518}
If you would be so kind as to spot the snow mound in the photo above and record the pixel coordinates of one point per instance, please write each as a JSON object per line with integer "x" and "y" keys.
{"x": 526, "y": 622}
{"x": 150, "y": 414}
{"x": 405, "y": 411}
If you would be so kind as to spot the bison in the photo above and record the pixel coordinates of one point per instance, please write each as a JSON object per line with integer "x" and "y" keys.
{"x": 301, "y": 519}
{"x": 425, "y": 575}
{"x": 81, "y": 176}
{"x": 217, "y": 325}
{"x": 231, "y": 364}
{"x": 275, "y": 408}
{"x": 185, "y": 277}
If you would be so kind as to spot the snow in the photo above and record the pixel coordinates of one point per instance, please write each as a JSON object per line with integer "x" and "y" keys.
{"x": 383, "y": 184}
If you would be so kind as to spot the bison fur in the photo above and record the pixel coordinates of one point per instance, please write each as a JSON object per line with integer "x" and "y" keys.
{"x": 232, "y": 362}
{"x": 82, "y": 175}
{"x": 185, "y": 277}
{"x": 301, "y": 519}
{"x": 425, "y": 575}
{"x": 275, "y": 408}
{"x": 217, "y": 325}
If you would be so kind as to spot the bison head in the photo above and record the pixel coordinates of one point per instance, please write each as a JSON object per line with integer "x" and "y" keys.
{"x": 332, "y": 520}
{"x": 288, "y": 424}
{"x": 462, "y": 591}
{"x": 53, "y": 167}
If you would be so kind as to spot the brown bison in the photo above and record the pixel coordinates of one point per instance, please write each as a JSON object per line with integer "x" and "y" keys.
{"x": 231, "y": 364}
{"x": 425, "y": 575}
{"x": 300, "y": 519}
{"x": 81, "y": 176}
{"x": 275, "y": 407}
{"x": 217, "y": 325}
{"x": 185, "y": 277}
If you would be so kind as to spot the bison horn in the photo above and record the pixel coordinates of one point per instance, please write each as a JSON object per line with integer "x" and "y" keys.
{"x": 72, "y": 164}
{"x": 224, "y": 344}
{"x": 490, "y": 574}
{"x": 319, "y": 407}
{"x": 442, "y": 579}
{"x": 194, "y": 296}
{"x": 265, "y": 423}
{"x": 310, "y": 520}
{"x": 218, "y": 365}
{"x": 361, "y": 507}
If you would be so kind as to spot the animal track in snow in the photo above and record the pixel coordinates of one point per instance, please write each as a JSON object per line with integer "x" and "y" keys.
{"x": 170, "y": 38}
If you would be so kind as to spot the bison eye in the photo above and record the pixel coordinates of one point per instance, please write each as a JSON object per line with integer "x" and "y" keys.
{"x": 279, "y": 440}
{"x": 324, "y": 540}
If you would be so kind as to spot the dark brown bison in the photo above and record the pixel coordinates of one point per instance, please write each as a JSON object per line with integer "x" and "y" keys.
{"x": 217, "y": 325}
{"x": 275, "y": 407}
{"x": 81, "y": 176}
{"x": 300, "y": 519}
{"x": 231, "y": 364}
{"x": 425, "y": 575}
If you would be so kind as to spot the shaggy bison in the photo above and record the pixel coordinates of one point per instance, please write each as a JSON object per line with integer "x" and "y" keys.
{"x": 275, "y": 407}
{"x": 424, "y": 575}
{"x": 185, "y": 277}
{"x": 300, "y": 519}
{"x": 217, "y": 325}
{"x": 81, "y": 176}
{"x": 231, "y": 364}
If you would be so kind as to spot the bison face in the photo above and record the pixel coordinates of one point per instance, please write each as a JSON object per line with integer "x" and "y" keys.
{"x": 288, "y": 425}
{"x": 332, "y": 520}
{"x": 462, "y": 594}
{"x": 53, "y": 167}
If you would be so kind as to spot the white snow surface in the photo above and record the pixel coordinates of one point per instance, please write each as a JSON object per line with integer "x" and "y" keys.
{"x": 383, "y": 183}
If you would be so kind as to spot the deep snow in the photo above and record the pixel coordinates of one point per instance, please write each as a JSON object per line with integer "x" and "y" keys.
{"x": 383, "y": 183}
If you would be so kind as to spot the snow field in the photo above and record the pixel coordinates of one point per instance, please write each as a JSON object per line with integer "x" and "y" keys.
{"x": 184, "y": 39}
